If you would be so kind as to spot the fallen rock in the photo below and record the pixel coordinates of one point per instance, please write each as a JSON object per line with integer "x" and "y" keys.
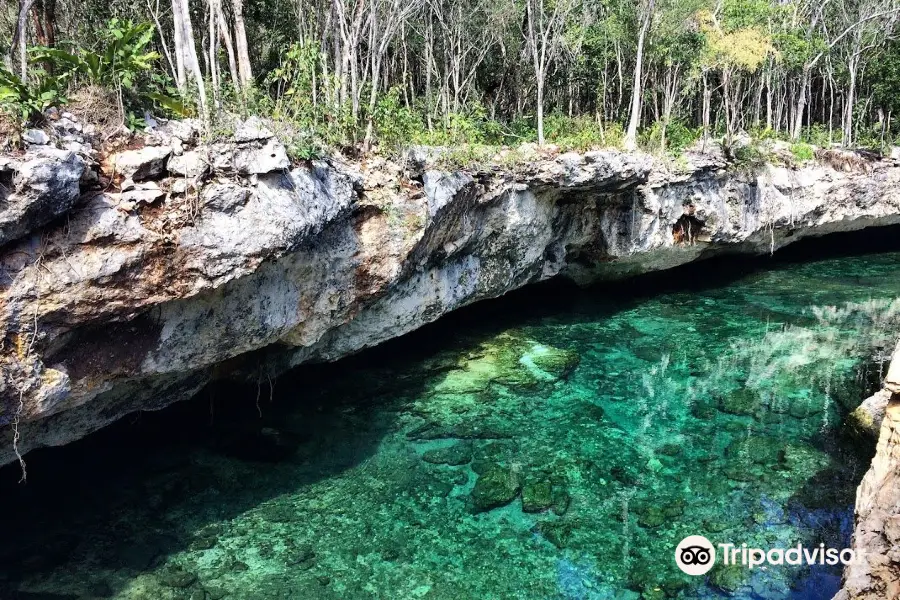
{"x": 537, "y": 496}
{"x": 251, "y": 130}
{"x": 143, "y": 193}
{"x": 36, "y": 137}
{"x": 192, "y": 164}
{"x": 147, "y": 163}
{"x": 865, "y": 420}
{"x": 558, "y": 533}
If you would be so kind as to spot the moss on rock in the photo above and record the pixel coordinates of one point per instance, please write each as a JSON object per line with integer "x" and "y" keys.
{"x": 495, "y": 487}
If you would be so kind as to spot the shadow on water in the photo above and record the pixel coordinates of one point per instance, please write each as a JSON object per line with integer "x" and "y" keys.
{"x": 235, "y": 447}
{"x": 144, "y": 464}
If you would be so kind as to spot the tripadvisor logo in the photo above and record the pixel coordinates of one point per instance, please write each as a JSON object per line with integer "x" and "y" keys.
{"x": 696, "y": 555}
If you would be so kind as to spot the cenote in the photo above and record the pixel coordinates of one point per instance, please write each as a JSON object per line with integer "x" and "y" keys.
{"x": 558, "y": 443}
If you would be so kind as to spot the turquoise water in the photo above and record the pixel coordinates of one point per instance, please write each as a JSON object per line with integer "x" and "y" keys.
{"x": 554, "y": 445}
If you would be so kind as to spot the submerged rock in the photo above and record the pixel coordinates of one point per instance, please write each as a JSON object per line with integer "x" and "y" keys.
{"x": 176, "y": 577}
{"x": 537, "y": 496}
{"x": 495, "y": 487}
{"x": 558, "y": 533}
{"x": 756, "y": 449}
{"x": 558, "y": 363}
{"x": 560, "y": 501}
{"x": 805, "y": 460}
{"x": 740, "y": 402}
{"x": 455, "y": 455}
{"x": 728, "y": 578}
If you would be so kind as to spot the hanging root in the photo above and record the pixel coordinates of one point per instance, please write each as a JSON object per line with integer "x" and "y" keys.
{"x": 15, "y": 444}
{"x": 38, "y": 263}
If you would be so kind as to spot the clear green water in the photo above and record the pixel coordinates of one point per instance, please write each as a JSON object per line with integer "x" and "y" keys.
{"x": 624, "y": 423}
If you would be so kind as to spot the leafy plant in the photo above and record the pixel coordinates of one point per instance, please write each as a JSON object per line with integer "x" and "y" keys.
{"x": 802, "y": 152}
{"x": 124, "y": 65}
{"x": 30, "y": 98}
{"x": 395, "y": 123}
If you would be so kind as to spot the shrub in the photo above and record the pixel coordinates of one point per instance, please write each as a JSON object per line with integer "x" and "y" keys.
{"x": 574, "y": 133}
{"x": 395, "y": 124}
{"x": 750, "y": 156}
{"x": 30, "y": 98}
{"x": 678, "y": 136}
{"x": 818, "y": 135}
{"x": 125, "y": 66}
{"x": 802, "y": 152}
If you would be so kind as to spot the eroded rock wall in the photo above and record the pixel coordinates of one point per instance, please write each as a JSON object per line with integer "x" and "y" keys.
{"x": 876, "y": 537}
{"x": 188, "y": 262}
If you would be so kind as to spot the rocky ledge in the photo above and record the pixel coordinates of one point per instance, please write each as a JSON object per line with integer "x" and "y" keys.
{"x": 132, "y": 277}
{"x": 876, "y": 537}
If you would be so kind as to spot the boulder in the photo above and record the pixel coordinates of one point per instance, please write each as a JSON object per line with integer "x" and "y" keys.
{"x": 255, "y": 161}
{"x": 37, "y": 189}
{"x": 865, "y": 420}
{"x": 36, "y": 137}
{"x": 143, "y": 193}
{"x": 225, "y": 197}
{"x": 251, "y": 130}
{"x": 496, "y": 487}
{"x": 147, "y": 163}
{"x": 455, "y": 455}
{"x": 537, "y": 496}
{"x": 253, "y": 158}
{"x": 192, "y": 164}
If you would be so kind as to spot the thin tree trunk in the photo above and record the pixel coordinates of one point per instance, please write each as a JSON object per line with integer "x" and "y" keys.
{"x": 243, "y": 52}
{"x": 634, "y": 120}
{"x": 186, "y": 50}
{"x": 20, "y": 41}
{"x": 229, "y": 47}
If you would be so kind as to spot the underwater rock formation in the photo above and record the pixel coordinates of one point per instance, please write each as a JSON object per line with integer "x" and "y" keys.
{"x": 225, "y": 261}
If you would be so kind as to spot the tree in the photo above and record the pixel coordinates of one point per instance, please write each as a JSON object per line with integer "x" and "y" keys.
{"x": 733, "y": 53}
{"x": 186, "y": 61}
{"x": 645, "y": 13}
{"x": 544, "y": 28}
{"x": 245, "y": 69}
{"x": 20, "y": 40}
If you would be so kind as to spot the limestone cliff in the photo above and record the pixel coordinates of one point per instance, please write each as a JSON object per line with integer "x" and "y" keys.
{"x": 182, "y": 262}
{"x": 877, "y": 533}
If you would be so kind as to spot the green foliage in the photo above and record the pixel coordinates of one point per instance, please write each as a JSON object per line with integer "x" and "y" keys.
{"x": 294, "y": 94}
{"x": 125, "y": 65}
{"x": 802, "y": 152}
{"x": 123, "y": 62}
{"x": 750, "y": 156}
{"x": 578, "y": 133}
{"x": 28, "y": 99}
{"x": 678, "y": 137}
{"x": 884, "y": 77}
{"x": 303, "y": 147}
{"x": 818, "y": 135}
{"x": 468, "y": 126}
{"x": 473, "y": 157}
{"x": 395, "y": 123}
